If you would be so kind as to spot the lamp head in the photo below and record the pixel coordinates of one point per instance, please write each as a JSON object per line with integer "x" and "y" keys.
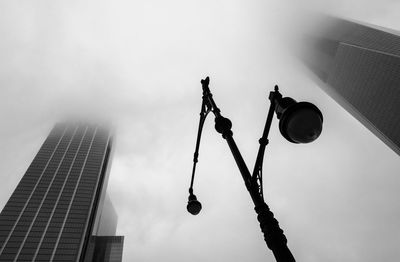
{"x": 193, "y": 206}
{"x": 300, "y": 122}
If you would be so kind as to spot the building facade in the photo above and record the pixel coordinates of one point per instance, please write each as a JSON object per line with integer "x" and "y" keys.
{"x": 55, "y": 211}
{"x": 359, "y": 66}
{"x": 105, "y": 248}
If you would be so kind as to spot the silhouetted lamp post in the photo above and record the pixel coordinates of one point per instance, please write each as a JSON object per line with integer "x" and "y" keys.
{"x": 299, "y": 122}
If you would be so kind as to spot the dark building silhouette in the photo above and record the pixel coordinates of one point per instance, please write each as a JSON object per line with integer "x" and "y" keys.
{"x": 57, "y": 210}
{"x": 359, "y": 66}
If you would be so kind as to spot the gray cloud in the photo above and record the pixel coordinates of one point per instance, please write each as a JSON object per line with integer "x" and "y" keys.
{"x": 139, "y": 64}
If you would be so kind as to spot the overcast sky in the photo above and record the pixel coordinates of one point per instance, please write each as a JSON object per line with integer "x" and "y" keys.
{"x": 139, "y": 63}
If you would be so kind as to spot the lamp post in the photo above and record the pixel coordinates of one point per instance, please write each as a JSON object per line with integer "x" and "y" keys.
{"x": 300, "y": 122}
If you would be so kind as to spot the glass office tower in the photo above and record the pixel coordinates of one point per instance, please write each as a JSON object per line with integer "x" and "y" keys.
{"x": 55, "y": 212}
{"x": 358, "y": 65}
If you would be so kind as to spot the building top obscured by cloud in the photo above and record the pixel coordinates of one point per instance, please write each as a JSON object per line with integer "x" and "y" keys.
{"x": 359, "y": 66}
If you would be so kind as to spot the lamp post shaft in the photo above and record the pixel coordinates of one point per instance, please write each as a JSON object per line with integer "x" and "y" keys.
{"x": 273, "y": 234}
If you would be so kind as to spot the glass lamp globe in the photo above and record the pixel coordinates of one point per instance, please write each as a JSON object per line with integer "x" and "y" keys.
{"x": 193, "y": 206}
{"x": 300, "y": 122}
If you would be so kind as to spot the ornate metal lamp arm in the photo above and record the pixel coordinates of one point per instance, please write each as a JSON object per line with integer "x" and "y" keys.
{"x": 273, "y": 234}
{"x": 223, "y": 126}
{"x": 257, "y": 172}
{"x": 205, "y": 109}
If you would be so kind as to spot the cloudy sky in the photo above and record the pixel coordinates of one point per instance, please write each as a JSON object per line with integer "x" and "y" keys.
{"x": 139, "y": 63}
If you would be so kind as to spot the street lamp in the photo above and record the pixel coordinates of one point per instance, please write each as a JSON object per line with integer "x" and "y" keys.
{"x": 299, "y": 122}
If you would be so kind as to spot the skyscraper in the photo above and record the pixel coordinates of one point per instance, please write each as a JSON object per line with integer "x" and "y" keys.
{"x": 359, "y": 66}
{"x": 56, "y": 210}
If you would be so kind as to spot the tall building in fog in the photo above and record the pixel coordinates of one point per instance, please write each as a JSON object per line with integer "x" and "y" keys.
{"x": 359, "y": 66}
{"x": 59, "y": 211}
